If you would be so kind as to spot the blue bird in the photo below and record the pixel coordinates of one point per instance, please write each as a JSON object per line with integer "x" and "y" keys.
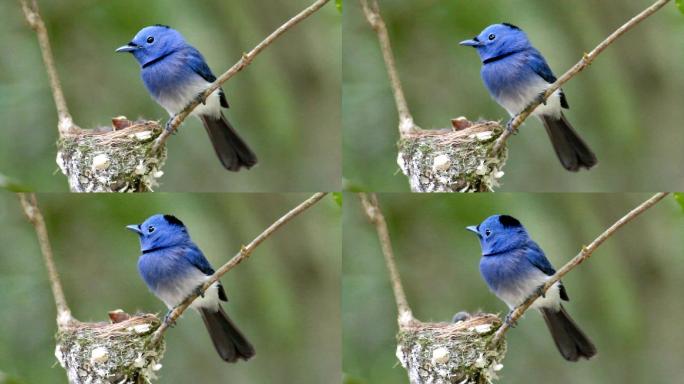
{"x": 174, "y": 73}
{"x": 514, "y": 267}
{"x": 516, "y": 74}
{"x": 173, "y": 267}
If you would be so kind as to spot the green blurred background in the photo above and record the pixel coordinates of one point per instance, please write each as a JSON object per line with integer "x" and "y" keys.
{"x": 285, "y": 298}
{"x": 627, "y": 297}
{"x": 286, "y": 104}
{"x": 627, "y": 105}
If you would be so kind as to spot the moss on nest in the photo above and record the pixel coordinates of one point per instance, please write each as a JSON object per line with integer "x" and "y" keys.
{"x": 112, "y": 161}
{"x": 441, "y": 353}
{"x": 110, "y": 353}
{"x": 447, "y": 160}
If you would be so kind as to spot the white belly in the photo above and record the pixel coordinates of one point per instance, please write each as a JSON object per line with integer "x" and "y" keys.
{"x": 174, "y": 294}
{"x": 514, "y": 103}
{"x": 515, "y": 294}
{"x": 175, "y": 102}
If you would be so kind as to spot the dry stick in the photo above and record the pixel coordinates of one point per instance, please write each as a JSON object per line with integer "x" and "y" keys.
{"x": 65, "y": 123}
{"x": 244, "y": 253}
{"x": 574, "y": 262}
{"x": 244, "y": 61}
{"x": 30, "y": 205}
{"x": 372, "y": 209}
{"x": 372, "y": 12}
{"x": 587, "y": 59}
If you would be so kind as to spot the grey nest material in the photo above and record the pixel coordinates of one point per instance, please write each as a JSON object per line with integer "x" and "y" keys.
{"x": 450, "y": 160}
{"x": 94, "y": 353}
{"x": 112, "y": 160}
{"x": 441, "y": 353}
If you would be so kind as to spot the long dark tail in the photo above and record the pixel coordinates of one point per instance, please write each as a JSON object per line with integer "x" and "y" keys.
{"x": 572, "y": 151}
{"x": 230, "y": 148}
{"x": 570, "y": 340}
{"x": 229, "y": 342}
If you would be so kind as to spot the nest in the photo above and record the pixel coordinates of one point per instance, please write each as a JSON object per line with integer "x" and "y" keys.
{"x": 441, "y": 353}
{"x": 457, "y": 159}
{"x": 110, "y": 353}
{"x": 106, "y": 160}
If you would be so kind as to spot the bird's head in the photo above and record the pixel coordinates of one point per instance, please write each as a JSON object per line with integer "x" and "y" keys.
{"x": 153, "y": 43}
{"x": 497, "y": 40}
{"x": 160, "y": 231}
{"x": 500, "y": 233}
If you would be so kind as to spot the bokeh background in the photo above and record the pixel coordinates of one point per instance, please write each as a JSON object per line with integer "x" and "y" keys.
{"x": 627, "y": 105}
{"x": 285, "y": 298}
{"x": 286, "y": 104}
{"x": 627, "y": 297}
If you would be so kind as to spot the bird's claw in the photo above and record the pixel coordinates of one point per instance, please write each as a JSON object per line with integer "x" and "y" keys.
{"x": 541, "y": 99}
{"x": 169, "y": 127}
{"x": 509, "y": 126}
{"x": 199, "y": 292}
{"x": 168, "y": 320}
{"x": 509, "y": 320}
{"x": 539, "y": 291}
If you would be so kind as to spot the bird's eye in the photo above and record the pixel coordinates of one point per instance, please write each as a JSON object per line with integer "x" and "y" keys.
{"x": 488, "y": 232}
{"x": 150, "y": 229}
{"x": 150, "y": 40}
{"x": 491, "y": 37}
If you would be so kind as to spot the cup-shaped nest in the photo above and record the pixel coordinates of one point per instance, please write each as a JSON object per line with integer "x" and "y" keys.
{"x": 110, "y": 353}
{"x": 441, "y": 353}
{"x": 106, "y": 160}
{"x": 458, "y": 159}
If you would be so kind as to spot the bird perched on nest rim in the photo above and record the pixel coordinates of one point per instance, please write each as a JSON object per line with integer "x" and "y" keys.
{"x": 516, "y": 74}
{"x": 174, "y": 73}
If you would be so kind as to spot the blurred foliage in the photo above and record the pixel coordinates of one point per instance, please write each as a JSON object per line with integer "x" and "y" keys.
{"x": 286, "y": 104}
{"x": 285, "y": 298}
{"x": 11, "y": 185}
{"x": 679, "y": 196}
{"x": 627, "y": 105}
{"x": 680, "y": 5}
{"x": 627, "y": 297}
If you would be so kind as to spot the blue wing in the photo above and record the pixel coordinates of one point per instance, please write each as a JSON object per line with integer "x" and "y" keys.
{"x": 541, "y": 68}
{"x": 200, "y": 67}
{"x": 536, "y": 257}
{"x": 195, "y": 256}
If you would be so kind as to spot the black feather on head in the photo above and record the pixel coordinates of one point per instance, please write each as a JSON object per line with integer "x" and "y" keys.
{"x": 510, "y": 25}
{"x": 162, "y": 25}
{"x": 171, "y": 219}
{"x": 509, "y": 221}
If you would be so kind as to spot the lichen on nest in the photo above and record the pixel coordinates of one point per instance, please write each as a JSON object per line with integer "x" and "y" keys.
{"x": 110, "y": 353}
{"x": 106, "y": 160}
{"x": 448, "y": 160}
{"x": 441, "y": 353}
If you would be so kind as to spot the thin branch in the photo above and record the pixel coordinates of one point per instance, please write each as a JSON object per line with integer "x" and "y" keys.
{"x": 65, "y": 123}
{"x": 584, "y": 254}
{"x": 374, "y": 214}
{"x": 372, "y": 12}
{"x": 244, "y": 61}
{"x": 244, "y": 253}
{"x": 33, "y": 214}
{"x": 587, "y": 59}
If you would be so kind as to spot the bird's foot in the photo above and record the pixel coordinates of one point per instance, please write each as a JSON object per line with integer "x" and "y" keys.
{"x": 509, "y": 320}
{"x": 168, "y": 320}
{"x": 169, "y": 127}
{"x": 539, "y": 291}
{"x": 540, "y": 98}
{"x": 509, "y": 126}
{"x": 200, "y": 99}
{"x": 199, "y": 292}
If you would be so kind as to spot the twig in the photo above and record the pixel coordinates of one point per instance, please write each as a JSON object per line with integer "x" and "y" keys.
{"x": 65, "y": 123}
{"x": 587, "y": 59}
{"x": 584, "y": 254}
{"x": 244, "y": 253}
{"x": 33, "y": 214}
{"x": 372, "y": 12}
{"x": 374, "y": 214}
{"x": 244, "y": 61}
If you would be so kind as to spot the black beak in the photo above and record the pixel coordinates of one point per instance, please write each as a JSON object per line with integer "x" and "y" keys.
{"x": 130, "y": 47}
{"x": 135, "y": 228}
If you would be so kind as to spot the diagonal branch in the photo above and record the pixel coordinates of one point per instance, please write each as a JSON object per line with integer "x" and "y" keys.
{"x": 586, "y": 252}
{"x": 587, "y": 59}
{"x": 372, "y": 12}
{"x": 244, "y": 61}
{"x": 33, "y": 214}
{"x": 374, "y": 214}
{"x": 244, "y": 253}
{"x": 65, "y": 123}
